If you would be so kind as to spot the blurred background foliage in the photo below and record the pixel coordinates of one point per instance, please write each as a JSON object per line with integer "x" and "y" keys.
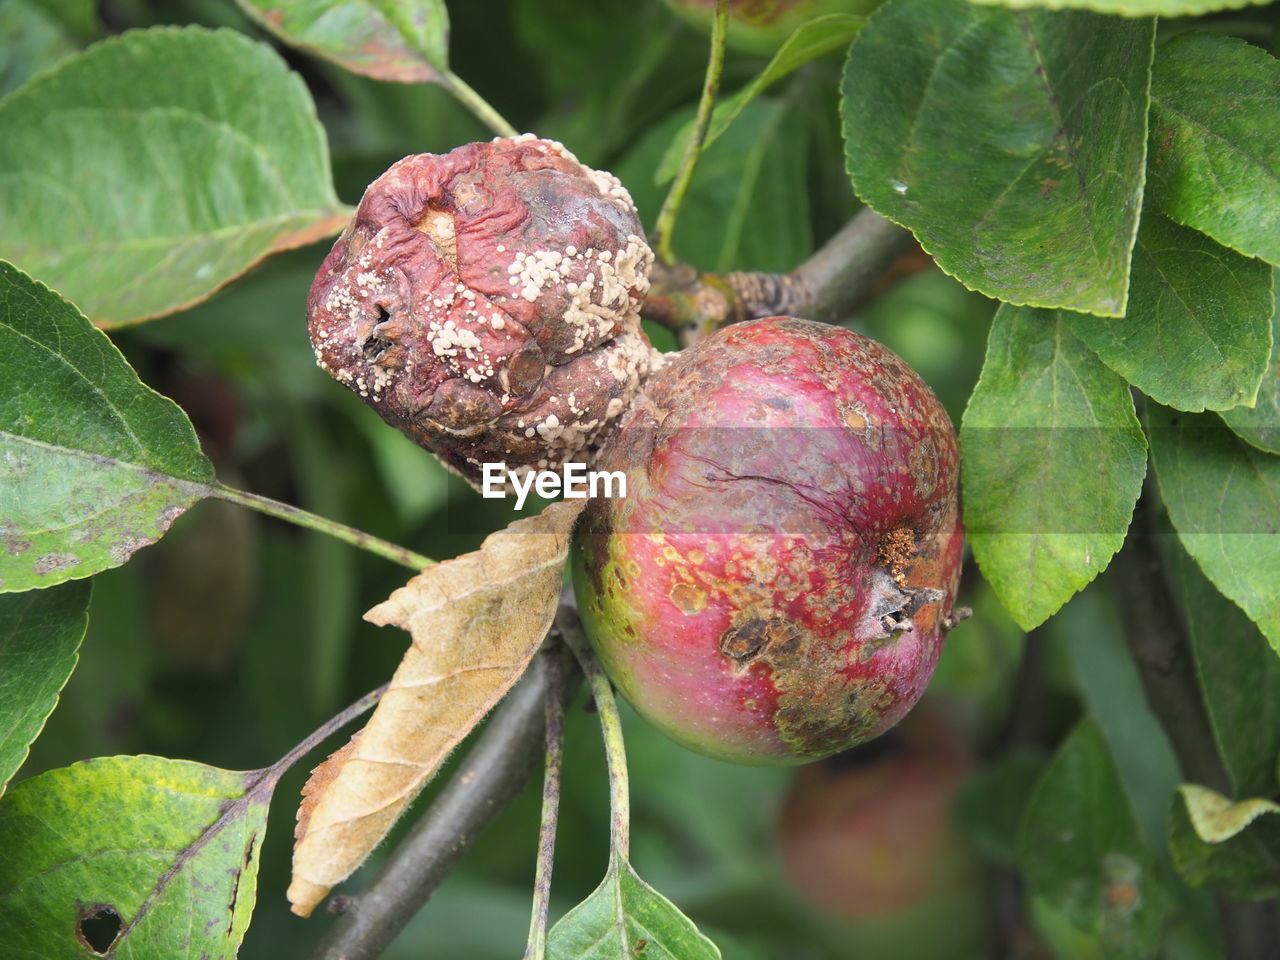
{"x": 232, "y": 638}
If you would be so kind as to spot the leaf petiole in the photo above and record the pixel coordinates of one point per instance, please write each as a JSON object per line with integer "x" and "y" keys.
{"x": 554, "y": 714}
{"x": 480, "y": 108}
{"x": 302, "y": 518}
{"x": 611, "y": 729}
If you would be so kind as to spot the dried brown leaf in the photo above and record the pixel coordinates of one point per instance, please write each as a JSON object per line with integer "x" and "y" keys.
{"x": 476, "y": 621}
{"x": 323, "y": 775}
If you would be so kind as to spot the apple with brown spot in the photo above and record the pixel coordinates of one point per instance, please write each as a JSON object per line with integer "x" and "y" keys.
{"x": 776, "y": 585}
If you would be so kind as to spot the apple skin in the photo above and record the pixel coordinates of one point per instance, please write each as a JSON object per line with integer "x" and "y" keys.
{"x": 776, "y": 585}
{"x": 761, "y": 26}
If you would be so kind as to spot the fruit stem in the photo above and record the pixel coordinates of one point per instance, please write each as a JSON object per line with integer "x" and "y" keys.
{"x": 611, "y": 729}
{"x": 554, "y": 713}
{"x": 302, "y": 518}
{"x": 666, "y": 222}
{"x": 480, "y": 108}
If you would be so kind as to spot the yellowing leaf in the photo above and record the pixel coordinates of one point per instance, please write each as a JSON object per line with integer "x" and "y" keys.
{"x": 476, "y": 621}
{"x": 1217, "y": 818}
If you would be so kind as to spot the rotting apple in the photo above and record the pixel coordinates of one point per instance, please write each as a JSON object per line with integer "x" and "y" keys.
{"x": 761, "y": 26}
{"x": 777, "y": 582}
{"x": 486, "y": 302}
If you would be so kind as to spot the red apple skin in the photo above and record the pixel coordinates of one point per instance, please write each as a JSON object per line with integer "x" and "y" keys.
{"x": 776, "y": 584}
{"x": 761, "y": 26}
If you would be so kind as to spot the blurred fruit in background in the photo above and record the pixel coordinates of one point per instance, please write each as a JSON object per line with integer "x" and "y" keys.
{"x": 868, "y": 837}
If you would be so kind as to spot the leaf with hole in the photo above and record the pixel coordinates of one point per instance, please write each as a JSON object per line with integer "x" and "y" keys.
{"x": 1197, "y": 333}
{"x": 1052, "y": 461}
{"x": 810, "y": 41}
{"x": 93, "y": 464}
{"x": 40, "y": 634}
{"x": 1082, "y": 850}
{"x": 1011, "y": 144}
{"x": 1223, "y": 497}
{"x": 131, "y": 857}
{"x": 1215, "y": 140}
{"x": 625, "y": 918}
{"x": 476, "y": 622}
{"x": 400, "y": 40}
{"x": 145, "y": 173}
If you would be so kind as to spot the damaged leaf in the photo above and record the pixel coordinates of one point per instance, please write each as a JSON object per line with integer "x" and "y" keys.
{"x": 1217, "y": 818}
{"x": 131, "y": 857}
{"x": 1228, "y": 845}
{"x": 476, "y": 621}
{"x": 398, "y": 40}
{"x": 93, "y": 464}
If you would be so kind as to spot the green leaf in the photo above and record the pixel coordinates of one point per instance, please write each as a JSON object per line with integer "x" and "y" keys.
{"x": 755, "y": 174}
{"x": 35, "y": 34}
{"x": 1052, "y": 460}
{"x": 1244, "y": 867}
{"x": 40, "y": 632}
{"x": 400, "y": 40}
{"x": 1132, "y": 8}
{"x": 810, "y": 41}
{"x": 1260, "y": 424}
{"x": 145, "y": 173}
{"x": 168, "y": 847}
{"x": 1215, "y": 140}
{"x": 1223, "y": 497}
{"x": 1011, "y": 144}
{"x": 625, "y": 918}
{"x": 1093, "y": 640}
{"x": 93, "y": 464}
{"x": 1198, "y": 330}
{"x": 1239, "y": 676}
{"x": 1081, "y": 849}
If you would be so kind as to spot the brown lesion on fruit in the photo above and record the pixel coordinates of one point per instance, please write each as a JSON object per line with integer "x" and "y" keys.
{"x": 689, "y": 599}
{"x": 757, "y": 638}
{"x": 439, "y": 228}
{"x": 817, "y": 705}
{"x": 896, "y": 551}
{"x": 923, "y": 462}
